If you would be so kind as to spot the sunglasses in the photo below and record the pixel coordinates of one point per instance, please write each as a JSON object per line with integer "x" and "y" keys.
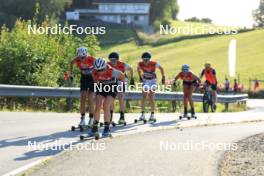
{"x": 100, "y": 70}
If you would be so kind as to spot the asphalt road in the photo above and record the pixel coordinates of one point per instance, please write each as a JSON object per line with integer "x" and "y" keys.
{"x": 18, "y": 130}
{"x": 187, "y": 152}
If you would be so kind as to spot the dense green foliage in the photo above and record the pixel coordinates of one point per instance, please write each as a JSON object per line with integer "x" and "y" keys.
{"x": 38, "y": 60}
{"x": 259, "y": 15}
{"x": 10, "y": 10}
{"x": 163, "y": 9}
{"x": 35, "y": 59}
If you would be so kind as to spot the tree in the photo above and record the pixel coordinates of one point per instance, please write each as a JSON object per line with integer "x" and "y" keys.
{"x": 258, "y": 15}
{"x": 161, "y": 9}
{"x": 206, "y": 20}
{"x": 193, "y": 19}
{"x": 10, "y": 10}
{"x": 197, "y": 20}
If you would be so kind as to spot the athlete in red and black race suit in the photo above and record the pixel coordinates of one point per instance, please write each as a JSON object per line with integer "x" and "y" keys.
{"x": 210, "y": 75}
{"x": 123, "y": 67}
{"x": 189, "y": 81}
{"x": 147, "y": 75}
{"x": 85, "y": 64}
{"x": 106, "y": 87}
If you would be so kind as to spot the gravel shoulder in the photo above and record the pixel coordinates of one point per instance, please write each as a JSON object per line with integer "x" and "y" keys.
{"x": 248, "y": 159}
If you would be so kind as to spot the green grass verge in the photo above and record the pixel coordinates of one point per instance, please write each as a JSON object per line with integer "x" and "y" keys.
{"x": 195, "y": 52}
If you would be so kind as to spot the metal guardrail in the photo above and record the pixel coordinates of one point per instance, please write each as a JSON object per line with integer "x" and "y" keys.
{"x": 63, "y": 92}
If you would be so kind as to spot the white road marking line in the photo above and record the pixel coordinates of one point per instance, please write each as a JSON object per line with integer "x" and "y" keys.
{"x": 26, "y": 167}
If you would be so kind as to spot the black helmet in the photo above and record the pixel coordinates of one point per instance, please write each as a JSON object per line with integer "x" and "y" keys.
{"x": 146, "y": 56}
{"x": 113, "y": 56}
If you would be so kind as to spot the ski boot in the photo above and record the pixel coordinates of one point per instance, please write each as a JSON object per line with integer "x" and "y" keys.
{"x": 194, "y": 116}
{"x": 93, "y": 133}
{"x": 122, "y": 122}
{"x": 152, "y": 118}
{"x": 106, "y": 133}
{"x": 80, "y": 126}
{"x": 141, "y": 118}
{"x": 90, "y": 122}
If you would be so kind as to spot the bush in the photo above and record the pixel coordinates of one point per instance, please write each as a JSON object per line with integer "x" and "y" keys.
{"x": 166, "y": 22}
{"x": 38, "y": 59}
{"x": 156, "y": 25}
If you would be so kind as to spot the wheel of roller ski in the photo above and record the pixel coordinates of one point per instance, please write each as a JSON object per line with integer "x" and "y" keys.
{"x": 97, "y": 137}
{"x": 72, "y": 128}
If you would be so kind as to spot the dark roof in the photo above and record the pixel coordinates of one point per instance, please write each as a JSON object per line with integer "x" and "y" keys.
{"x": 120, "y": 1}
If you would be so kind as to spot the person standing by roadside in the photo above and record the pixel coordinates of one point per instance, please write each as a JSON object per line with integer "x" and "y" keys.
{"x": 227, "y": 85}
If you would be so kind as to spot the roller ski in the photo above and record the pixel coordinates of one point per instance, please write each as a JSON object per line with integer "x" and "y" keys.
{"x": 122, "y": 122}
{"x": 141, "y": 119}
{"x": 193, "y": 116}
{"x": 185, "y": 116}
{"x": 82, "y": 126}
{"x": 114, "y": 124}
{"x": 93, "y": 133}
{"x": 152, "y": 119}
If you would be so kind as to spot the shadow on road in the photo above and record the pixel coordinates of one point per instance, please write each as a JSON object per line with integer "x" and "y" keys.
{"x": 42, "y": 140}
{"x": 60, "y": 140}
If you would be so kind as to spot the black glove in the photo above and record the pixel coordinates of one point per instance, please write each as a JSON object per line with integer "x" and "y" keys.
{"x": 132, "y": 81}
{"x": 163, "y": 80}
{"x": 174, "y": 83}
{"x": 141, "y": 79}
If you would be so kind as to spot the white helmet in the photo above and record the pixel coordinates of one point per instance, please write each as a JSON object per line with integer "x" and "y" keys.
{"x": 99, "y": 64}
{"x": 82, "y": 52}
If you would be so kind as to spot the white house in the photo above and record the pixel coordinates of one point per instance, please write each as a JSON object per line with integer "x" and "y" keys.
{"x": 135, "y": 12}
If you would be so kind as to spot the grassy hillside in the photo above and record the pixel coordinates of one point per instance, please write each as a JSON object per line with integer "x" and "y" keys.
{"x": 116, "y": 35}
{"x": 195, "y": 52}
{"x": 182, "y": 28}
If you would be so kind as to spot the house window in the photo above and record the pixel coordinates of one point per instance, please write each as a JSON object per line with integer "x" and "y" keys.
{"x": 136, "y": 18}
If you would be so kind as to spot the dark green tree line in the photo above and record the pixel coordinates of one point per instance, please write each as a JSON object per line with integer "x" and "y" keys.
{"x": 10, "y": 10}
